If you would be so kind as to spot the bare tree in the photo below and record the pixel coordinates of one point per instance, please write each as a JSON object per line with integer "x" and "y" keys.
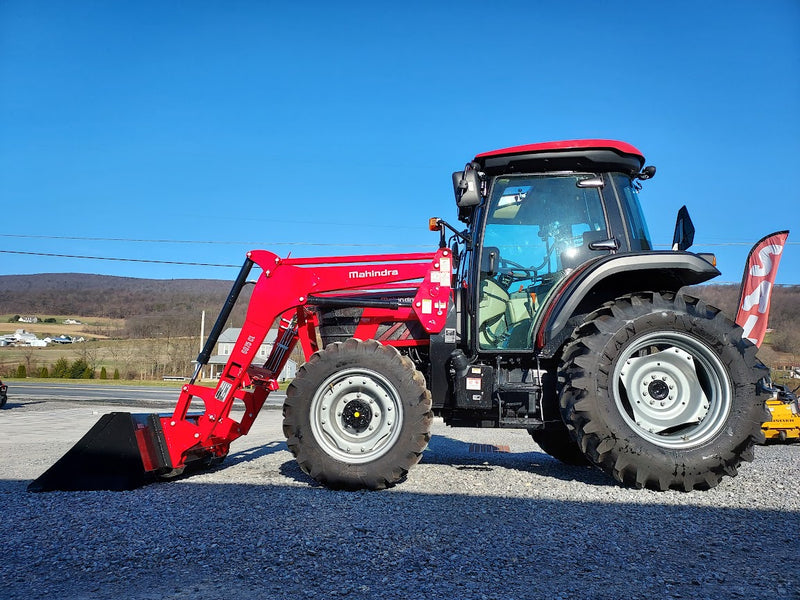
{"x": 28, "y": 355}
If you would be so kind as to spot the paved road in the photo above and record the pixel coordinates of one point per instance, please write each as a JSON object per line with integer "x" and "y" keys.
{"x": 137, "y": 395}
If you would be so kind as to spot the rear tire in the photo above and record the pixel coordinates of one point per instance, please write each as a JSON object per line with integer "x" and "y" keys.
{"x": 558, "y": 443}
{"x": 660, "y": 392}
{"x": 358, "y": 415}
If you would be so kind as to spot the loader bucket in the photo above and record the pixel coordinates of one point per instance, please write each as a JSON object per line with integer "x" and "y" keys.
{"x": 121, "y": 452}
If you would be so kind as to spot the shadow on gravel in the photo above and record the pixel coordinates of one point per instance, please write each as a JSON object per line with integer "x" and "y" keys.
{"x": 12, "y": 405}
{"x": 457, "y": 454}
{"x": 252, "y": 454}
{"x": 293, "y": 471}
{"x": 460, "y": 455}
{"x": 288, "y": 469}
{"x": 289, "y": 541}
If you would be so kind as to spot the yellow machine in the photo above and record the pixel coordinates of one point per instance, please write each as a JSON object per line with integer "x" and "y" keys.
{"x": 785, "y": 423}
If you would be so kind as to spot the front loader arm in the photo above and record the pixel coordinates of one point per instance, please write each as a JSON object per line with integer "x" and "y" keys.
{"x": 124, "y": 451}
{"x": 282, "y": 293}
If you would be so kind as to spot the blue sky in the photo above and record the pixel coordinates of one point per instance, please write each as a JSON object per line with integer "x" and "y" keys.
{"x": 132, "y": 129}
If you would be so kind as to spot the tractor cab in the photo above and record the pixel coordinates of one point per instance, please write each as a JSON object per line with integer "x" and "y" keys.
{"x": 543, "y": 211}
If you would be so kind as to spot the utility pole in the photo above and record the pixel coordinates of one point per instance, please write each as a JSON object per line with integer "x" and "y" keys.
{"x": 202, "y": 335}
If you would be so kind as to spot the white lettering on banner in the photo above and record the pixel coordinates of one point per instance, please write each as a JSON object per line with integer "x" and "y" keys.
{"x": 751, "y": 322}
{"x": 762, "y": 266}
{"x": 765, "y": 258}
{"x": 759, "y": 296}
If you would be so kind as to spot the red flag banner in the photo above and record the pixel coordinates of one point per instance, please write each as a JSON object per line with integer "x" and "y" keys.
{"x": 757, "y": 282}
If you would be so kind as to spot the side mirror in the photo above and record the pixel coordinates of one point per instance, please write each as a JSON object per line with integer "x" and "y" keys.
{"x": 683, "y": 237}
{"x": 467, "y": 188}
{"x": 647, "y": 173}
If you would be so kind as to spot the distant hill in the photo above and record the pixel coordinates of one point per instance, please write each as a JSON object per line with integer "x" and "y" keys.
{"x": 174, "y": 304}
{"x": 106, "y": 295}
{"x": 785, "y": 302}
{"x": 146, "y": 304}
{"x": 784, "y": 318}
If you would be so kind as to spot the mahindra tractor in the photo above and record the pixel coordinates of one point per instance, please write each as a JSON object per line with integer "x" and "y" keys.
{"x": 548, "y": 310}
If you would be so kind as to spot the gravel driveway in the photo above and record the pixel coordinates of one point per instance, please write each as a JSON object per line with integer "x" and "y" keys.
{"x": 470, "y": 522}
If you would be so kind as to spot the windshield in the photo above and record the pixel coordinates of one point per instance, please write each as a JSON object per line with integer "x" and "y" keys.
{"x": 537, "y": 227}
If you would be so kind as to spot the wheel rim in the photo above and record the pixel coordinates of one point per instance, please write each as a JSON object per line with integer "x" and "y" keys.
{"x": 672, "y": 389}
{"x": 356, "y": 415}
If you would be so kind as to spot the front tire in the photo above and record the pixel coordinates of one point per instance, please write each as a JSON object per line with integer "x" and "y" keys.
{"x": 659, "y": 391}
{"x": 358, "y": 415}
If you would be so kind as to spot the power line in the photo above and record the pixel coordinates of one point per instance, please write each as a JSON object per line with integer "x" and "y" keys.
{"x": 164, "y": 241}
{"x": 252, "y": 244}
{"x": 718, "y": 244}
{"x": 249, "y": 244}
{"x": 136, "y": 260}
{"x": 109, "y": 239}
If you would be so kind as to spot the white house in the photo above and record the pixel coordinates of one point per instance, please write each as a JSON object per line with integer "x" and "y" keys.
{"x": 26, "y": 338}
{"x": 225, "y": 344}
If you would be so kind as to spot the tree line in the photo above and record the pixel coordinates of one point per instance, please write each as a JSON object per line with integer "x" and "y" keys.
{"x": 164, "y": 318}
{"x": 64, "y": 369}
{"x": 784, "y": 314}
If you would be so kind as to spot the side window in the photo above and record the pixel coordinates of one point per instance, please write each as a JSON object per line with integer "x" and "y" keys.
{"x": 632, "y": 211}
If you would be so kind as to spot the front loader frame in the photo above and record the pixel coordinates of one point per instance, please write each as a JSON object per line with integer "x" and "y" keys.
{"x": 284, "y": 293}
{"x": 124, "y": 451}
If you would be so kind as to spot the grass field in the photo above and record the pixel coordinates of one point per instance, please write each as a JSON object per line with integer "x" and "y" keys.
{"x": 150, "y": 359}
{"x": 137, "y": 359}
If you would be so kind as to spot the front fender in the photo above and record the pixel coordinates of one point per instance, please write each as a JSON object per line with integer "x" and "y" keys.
{"x": 609, "y": 277}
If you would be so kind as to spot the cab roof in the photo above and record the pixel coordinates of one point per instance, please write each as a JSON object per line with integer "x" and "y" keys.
{"x": 568, "y": 155}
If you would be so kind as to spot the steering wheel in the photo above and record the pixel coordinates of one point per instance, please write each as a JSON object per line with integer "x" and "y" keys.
{"x": 511, "y": 271}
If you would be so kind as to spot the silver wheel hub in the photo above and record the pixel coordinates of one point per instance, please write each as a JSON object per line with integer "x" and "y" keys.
{"x": 356, "y": 415}
{"x": 664, "y": 390}
{"x": 672, "y": 389}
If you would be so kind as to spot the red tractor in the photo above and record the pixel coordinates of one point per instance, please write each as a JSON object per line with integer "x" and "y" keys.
{"x": 550, "y": 311}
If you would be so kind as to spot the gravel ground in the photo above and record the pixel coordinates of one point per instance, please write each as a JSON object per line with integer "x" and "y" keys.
{"x": 468, "y": 523}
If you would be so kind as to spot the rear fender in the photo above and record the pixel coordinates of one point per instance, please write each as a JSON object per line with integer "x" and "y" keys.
{"x": 609, "y": 277}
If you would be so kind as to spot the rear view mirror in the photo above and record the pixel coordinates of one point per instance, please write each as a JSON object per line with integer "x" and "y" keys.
{"x": 683, "y": 237}
{"x": 467, "y": 188}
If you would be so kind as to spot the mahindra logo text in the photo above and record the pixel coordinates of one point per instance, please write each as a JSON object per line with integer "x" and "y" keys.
{"x": 373, "y": 273}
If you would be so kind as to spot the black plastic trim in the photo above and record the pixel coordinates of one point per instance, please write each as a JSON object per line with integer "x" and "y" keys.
{"x": 581, "y": 159}
{"x": 665, "y": 271}
{"x": 353, "y": 302}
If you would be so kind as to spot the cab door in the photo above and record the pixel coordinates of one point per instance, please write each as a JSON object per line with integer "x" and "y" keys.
{"x": 535, "y": 230}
